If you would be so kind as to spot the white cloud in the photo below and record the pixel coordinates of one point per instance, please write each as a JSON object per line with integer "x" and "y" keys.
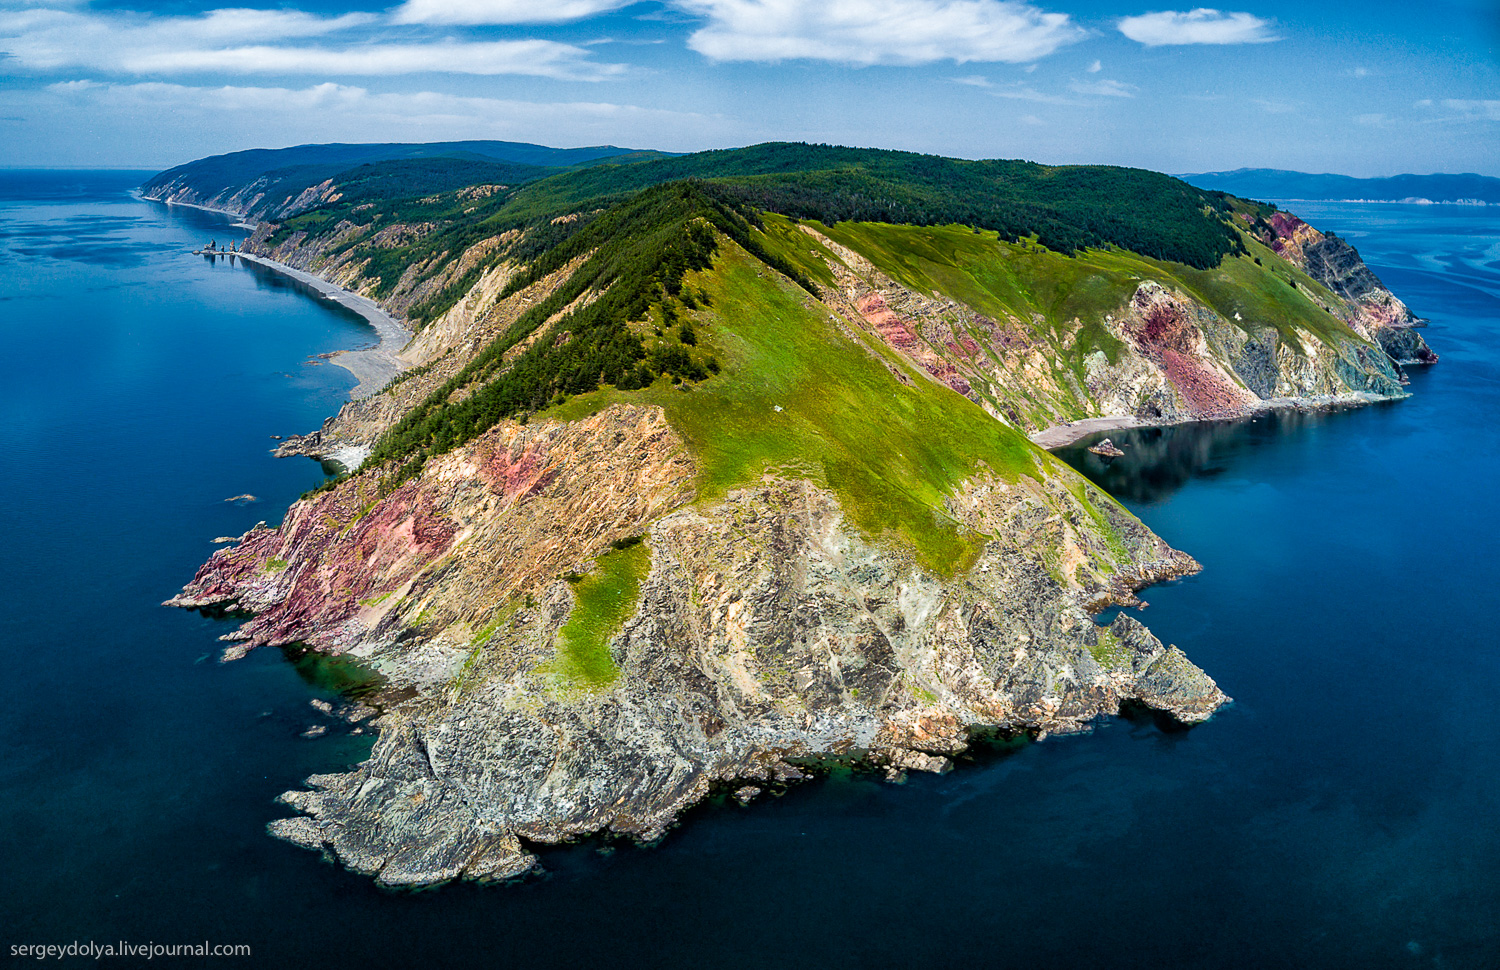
{"x": 502, "y": 11}
{"x": 973, "y": 81}
{"x": 1200, "y": 26}
{"x": 247, "y": 42}
{"x": 1096, "y": 67}
{"x": 1477, "y": 110}
{"x": 41, "y": 38}
{"x": 325, "y": 112}
{"x": 867, "y": 32}
{"x": 1022, "y": 92}
{"x": 540, "y": 58}
{"x": 1032, "y": 120}
{"x": 1275, "y": 107}
{"x": 1107, "y": 88}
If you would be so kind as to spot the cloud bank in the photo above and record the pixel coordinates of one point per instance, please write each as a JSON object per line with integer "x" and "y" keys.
{"x": 328, "y": 111}
{"x": 502, "y": 11}
{"x": 268, "y": 42}
{"x": 869, "y": 32}
{"x": 1200, "y": 26}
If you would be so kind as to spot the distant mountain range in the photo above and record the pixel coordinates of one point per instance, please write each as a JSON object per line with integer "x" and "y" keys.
{"x": 1272, "y": 184}
{"x": 266, "y": 183}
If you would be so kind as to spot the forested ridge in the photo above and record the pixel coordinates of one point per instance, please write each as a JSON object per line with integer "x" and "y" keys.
{"x": 639, "y": 226}
{"x": 637, "y": 255}
{"x": 1065, "y": 208}
{"x": 268, "y": 180}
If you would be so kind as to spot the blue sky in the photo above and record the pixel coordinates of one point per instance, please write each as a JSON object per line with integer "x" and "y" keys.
{"x": 1374, "y": 88}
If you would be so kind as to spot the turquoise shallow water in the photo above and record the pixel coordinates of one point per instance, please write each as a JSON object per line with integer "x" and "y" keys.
{"x": 1340, "y": 814}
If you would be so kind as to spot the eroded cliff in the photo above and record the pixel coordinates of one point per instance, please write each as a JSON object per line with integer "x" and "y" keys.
{"x": 764, "y": 630}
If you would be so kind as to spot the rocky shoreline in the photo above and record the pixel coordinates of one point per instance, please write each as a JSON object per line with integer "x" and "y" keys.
{"x": 374, "y": 367}
{"x": 1062, "y": 435}
{"x": 245, "y": 221}
{"x": 768, "y": 631}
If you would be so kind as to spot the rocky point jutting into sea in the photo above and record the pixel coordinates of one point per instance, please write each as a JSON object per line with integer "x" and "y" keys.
{"x": 693, "y": 489}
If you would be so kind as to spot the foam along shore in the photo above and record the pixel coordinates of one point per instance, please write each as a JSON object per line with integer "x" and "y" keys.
{"x": 1062, "y": 435}
{"x": 374, "y": 367}
{"x": 242, "y": 223}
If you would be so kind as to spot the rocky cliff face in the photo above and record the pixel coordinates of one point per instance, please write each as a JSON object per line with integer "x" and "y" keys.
{"x": 766, "y": 631}
{"x": 257, "y": 199}
{"x": 332, "y": 258}
{"x": 1173, "y": 357}
{"x": 1378, "y": 314}
{"x": 1164, "y": 353}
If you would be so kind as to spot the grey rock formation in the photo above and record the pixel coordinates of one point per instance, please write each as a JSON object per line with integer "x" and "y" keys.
{"x": 767, "y": 631}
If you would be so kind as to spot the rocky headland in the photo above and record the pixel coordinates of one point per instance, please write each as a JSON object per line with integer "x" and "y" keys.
{"x": 817, "y": 530}
{"x": 767, "y": 631}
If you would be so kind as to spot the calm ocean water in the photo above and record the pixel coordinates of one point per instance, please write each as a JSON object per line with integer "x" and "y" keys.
{"x": 1340, "y": 814}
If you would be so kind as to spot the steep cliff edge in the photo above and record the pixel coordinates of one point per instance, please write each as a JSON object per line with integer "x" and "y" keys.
{"x": 762, "y": 628}
{"x": 1036, "y": 338}
{"x": 681, "y": 493}
{"x": 1378, "y": 314}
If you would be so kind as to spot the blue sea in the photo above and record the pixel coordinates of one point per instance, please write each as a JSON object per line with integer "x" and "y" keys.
{"x": 1342, "y": 813}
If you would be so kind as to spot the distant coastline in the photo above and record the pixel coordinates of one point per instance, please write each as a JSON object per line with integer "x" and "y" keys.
{"x": 1466, "y": 189}
{"x": 244, "y": 221}
{"x": 1413, "y": 201}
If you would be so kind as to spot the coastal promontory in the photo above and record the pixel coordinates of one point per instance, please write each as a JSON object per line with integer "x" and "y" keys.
{"x": 702, "y": 470}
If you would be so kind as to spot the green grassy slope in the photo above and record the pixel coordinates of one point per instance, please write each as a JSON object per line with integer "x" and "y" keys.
{"x": 1058, "y": 299}
{"x": 689, "y": 296}
{"x": 603, "y": 600}
{"x": 999, "y": 279}
{"x": 712, "y": 316}
{"x": 890, "y": 451}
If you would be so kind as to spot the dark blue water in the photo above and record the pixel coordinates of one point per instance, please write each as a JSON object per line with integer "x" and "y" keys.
{"x": 1341, "y": 814}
